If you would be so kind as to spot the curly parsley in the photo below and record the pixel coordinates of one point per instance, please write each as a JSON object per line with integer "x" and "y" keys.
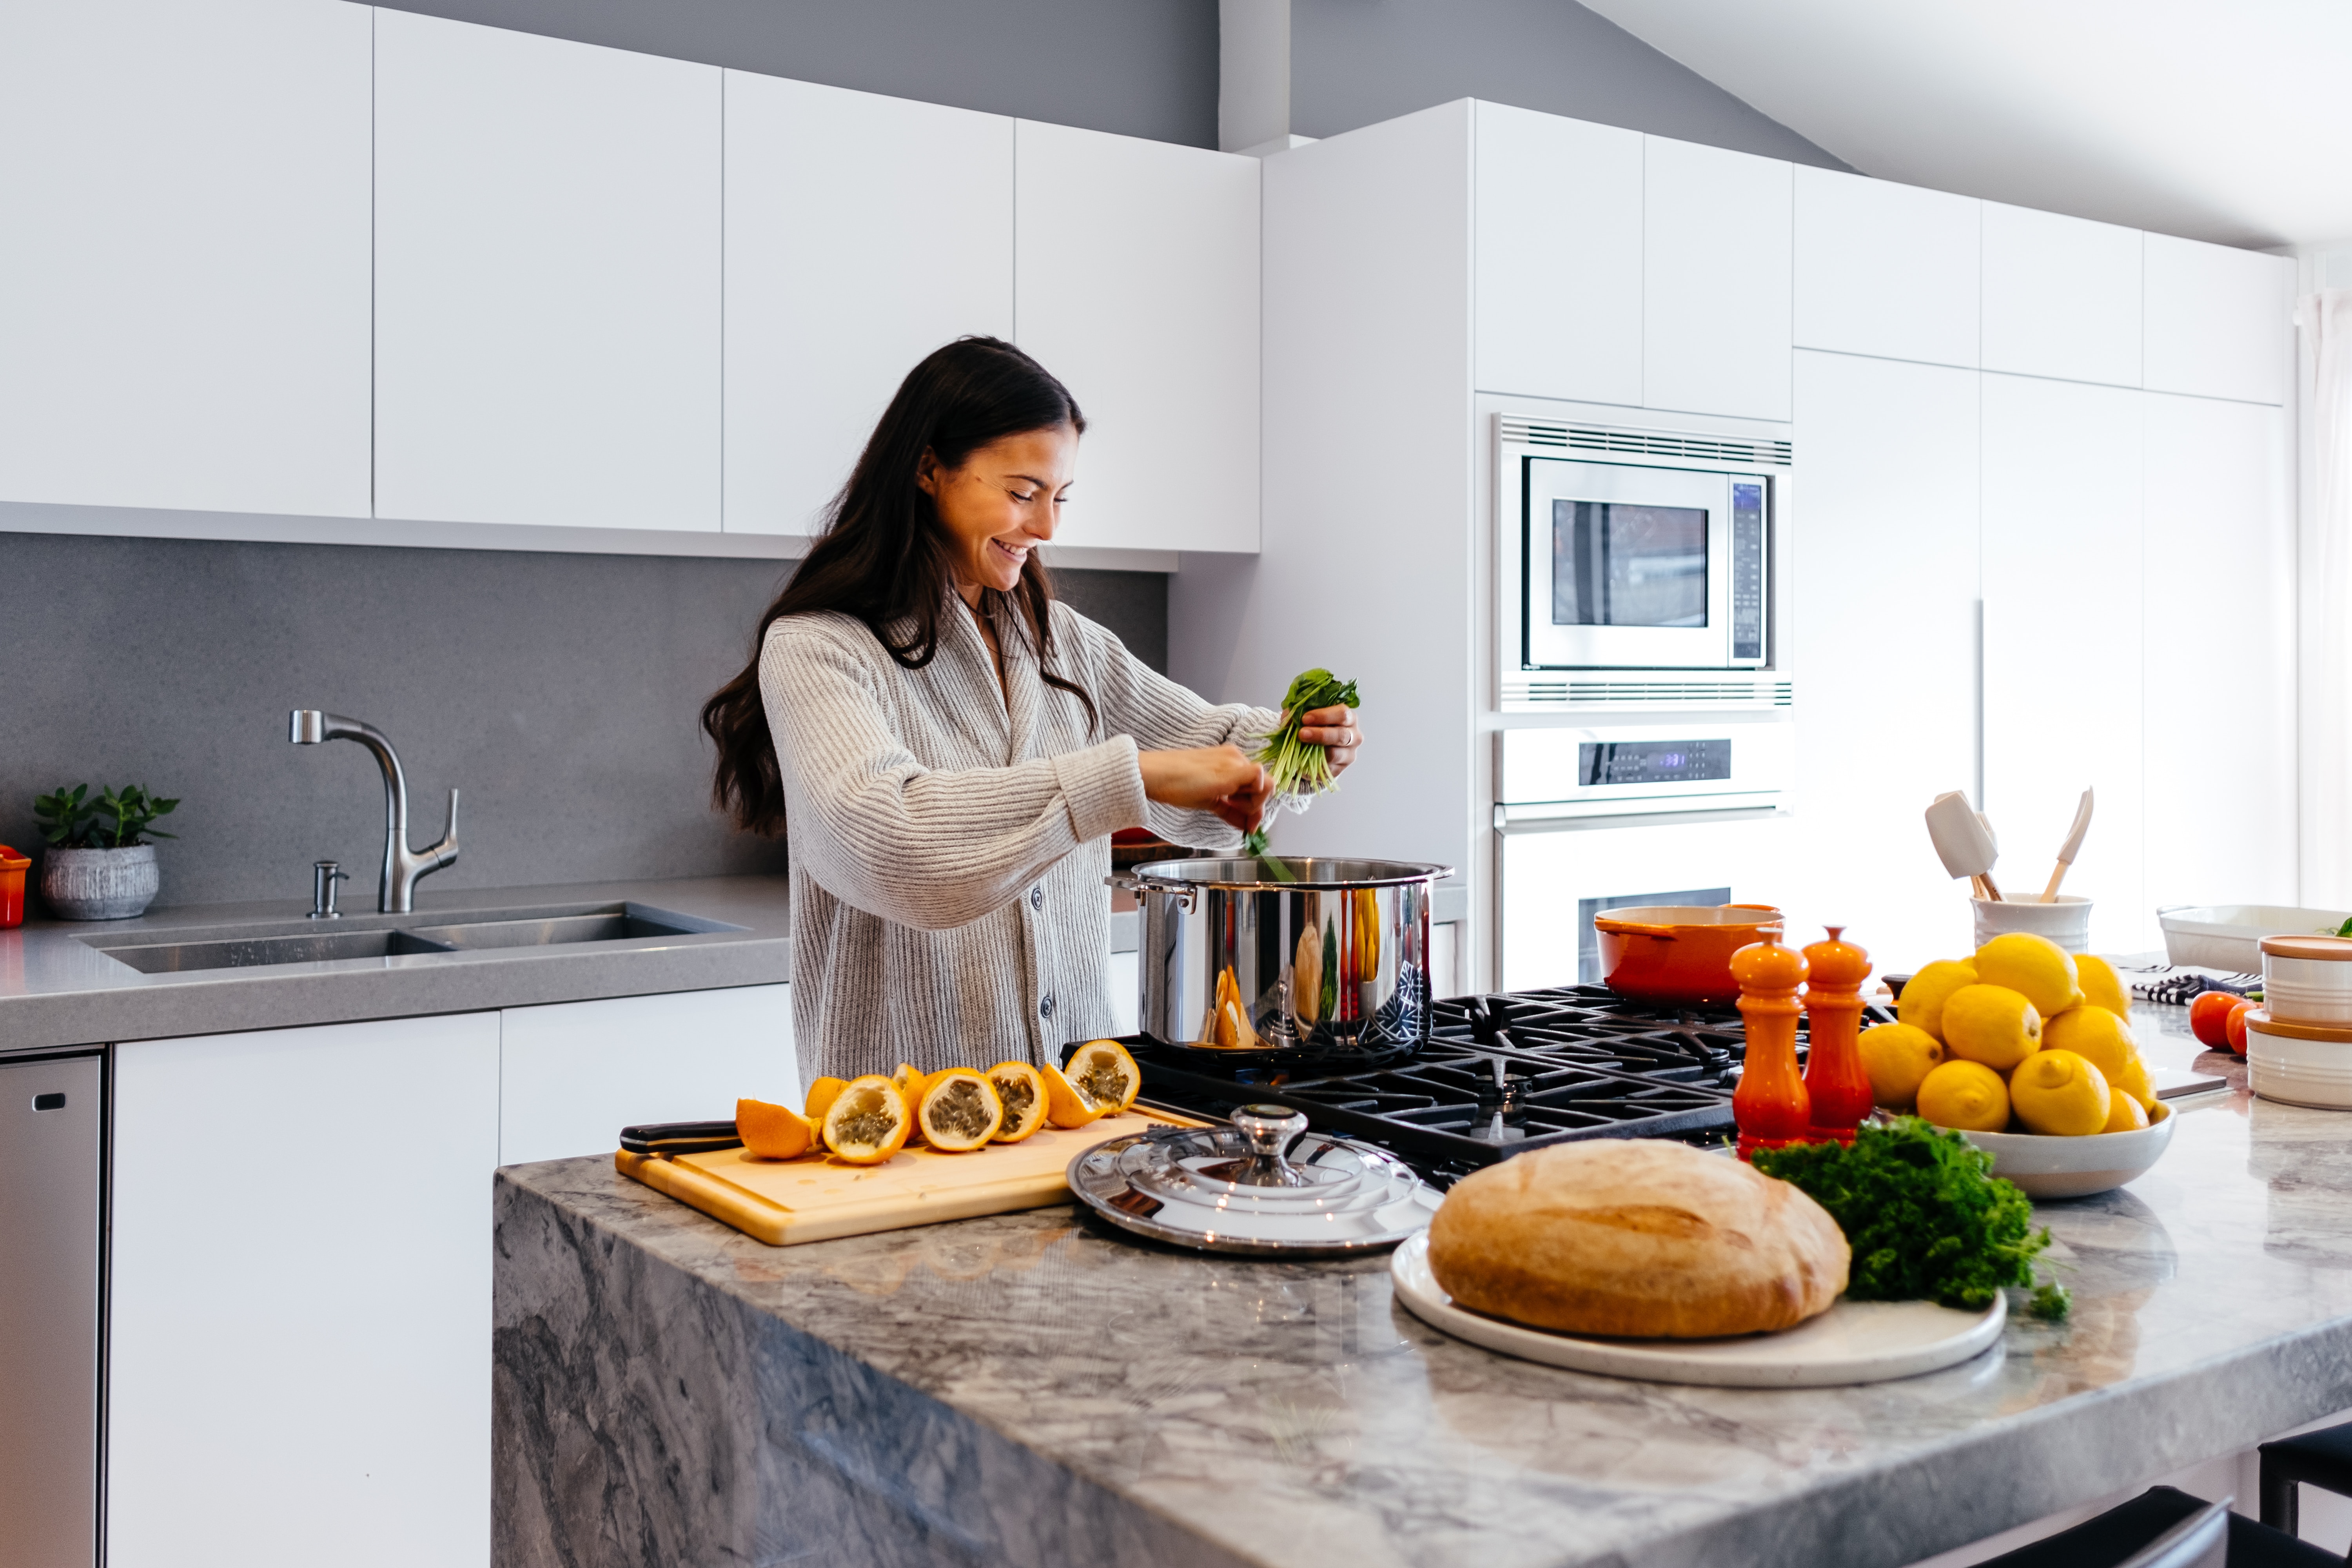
{"x": 1923, "y": 1215}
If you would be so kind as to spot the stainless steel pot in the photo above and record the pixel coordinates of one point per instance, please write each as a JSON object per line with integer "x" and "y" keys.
{"x": 1335, "y": 956}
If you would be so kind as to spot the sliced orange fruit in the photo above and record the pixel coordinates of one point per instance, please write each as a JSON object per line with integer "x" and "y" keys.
{"x": 1018, "y": 1085}
{"x": 1105, "y": 1074}
{"x": 960, "y": 1110}
{"x": 774, "y": 1131}
{"x": 1064, "y": 1106}
{"x": 867, "y": 1122}
{"x": 821, "y": 1096}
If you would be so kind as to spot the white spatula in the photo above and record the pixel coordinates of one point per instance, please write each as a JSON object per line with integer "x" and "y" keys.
{"x": 2068, "y": 850}
{"x": 1963, "y": 841}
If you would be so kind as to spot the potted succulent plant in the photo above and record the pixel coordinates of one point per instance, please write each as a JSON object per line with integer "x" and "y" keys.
{"x": 100, "y": 865}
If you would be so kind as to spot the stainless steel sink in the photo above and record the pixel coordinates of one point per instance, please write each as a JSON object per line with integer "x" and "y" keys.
{"x": 255, "y": 951}
{"x": 258, "y": 947}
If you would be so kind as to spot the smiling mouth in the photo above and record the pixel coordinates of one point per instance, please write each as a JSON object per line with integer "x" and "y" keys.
{"x": 1018, "y": 557}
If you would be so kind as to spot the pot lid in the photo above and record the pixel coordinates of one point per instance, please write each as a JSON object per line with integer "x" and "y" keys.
{"x": 1264, "y": 1184}
{"x": 2259, "y": 1020}
{"x": 2335, "y": 948}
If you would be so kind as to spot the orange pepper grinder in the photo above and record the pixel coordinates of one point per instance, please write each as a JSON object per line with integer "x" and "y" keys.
{"x": 1771, "y": 1104}
{"x": 1834, "y": 1080}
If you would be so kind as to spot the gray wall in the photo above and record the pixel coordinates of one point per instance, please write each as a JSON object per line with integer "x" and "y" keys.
{"x": 1357, "y": 62}
{"x": 1141, "y": 67}
{"x": 558, "y": 692}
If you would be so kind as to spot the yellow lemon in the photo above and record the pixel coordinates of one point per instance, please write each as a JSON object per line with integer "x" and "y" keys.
{"x": 1966, "y": 1095}
{"x": 1992, "y": 1025}
{"x": 2034, "y": 967}
{"x": 2102, "y": 986}
{"x": 2060, "y": 1094}
{"x": 1897, "y": 1056}
{"x": 2125, "y": 1114}
{"x": 1921, "y": 1006}
{"x": 2135, "y": 1081}
{"x": 2094, "y": 1033}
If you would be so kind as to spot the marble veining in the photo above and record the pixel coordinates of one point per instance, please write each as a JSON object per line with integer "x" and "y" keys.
{"x": 1031, "y": 1389}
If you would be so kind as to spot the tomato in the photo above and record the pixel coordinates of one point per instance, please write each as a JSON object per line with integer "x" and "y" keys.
{"x": 2236, "y": 1028}
{"x": 2207, "y": 1016}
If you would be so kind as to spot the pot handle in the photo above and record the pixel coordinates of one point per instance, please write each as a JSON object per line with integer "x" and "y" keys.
{"x": 1633, "y": 928}
{"x": 1128, "y": 882}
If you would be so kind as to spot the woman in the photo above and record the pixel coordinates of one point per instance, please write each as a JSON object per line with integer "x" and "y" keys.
{"x": 947, "y": 748}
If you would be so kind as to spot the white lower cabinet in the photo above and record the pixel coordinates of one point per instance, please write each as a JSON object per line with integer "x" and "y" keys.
{"x": 572, "y": 1075}
{"x": 301, "y": 1316}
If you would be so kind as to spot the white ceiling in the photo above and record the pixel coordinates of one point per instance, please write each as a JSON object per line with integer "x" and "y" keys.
{"x": 2220, "y": 119}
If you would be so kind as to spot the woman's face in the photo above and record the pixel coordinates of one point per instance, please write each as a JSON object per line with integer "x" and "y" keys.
{"x": 1001, "y": 504}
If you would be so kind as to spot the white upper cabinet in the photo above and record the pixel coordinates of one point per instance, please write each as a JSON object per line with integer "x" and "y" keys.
{"x": 1714, "y": 280}
{"x": 2061, "y": 297}
{"x": 2216, "y": 319}
{"x": 184, "y": 287}
{"x": 1558, "y": 287}
{"x": 862, "y": 233}
{"x": 547, "y": 280}
{"x": 1885, "y": 269}
{"x": 1136, "y": 283}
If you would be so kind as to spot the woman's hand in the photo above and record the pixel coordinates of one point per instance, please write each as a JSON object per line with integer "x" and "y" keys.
{"x": 1219, "y": 779}
{"x": 1335, "y": 730}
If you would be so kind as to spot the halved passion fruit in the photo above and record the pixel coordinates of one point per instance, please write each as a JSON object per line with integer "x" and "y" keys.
{"x": 1064, "y": 1105}
{"x": 911, "y": 1083}
{"x": 1022, "y": 1091}
{"x": 774, "y": 1131}
{"x": 821, "y": 1096}
{"x": 960, "y": 1110}
{"x": 867, "y": 1122}
{"x": 1105, "y": 1074}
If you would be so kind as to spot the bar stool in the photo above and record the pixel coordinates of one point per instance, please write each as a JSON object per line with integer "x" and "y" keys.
{"x": 2321, "y": 1459}
{"x": 2166, "y": 1528}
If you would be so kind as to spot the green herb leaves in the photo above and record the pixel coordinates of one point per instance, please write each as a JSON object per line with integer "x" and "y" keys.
{"x": 1922, "y": 1211}
{"x": 1299, "y": 770}
{"x": 118, "y": 819}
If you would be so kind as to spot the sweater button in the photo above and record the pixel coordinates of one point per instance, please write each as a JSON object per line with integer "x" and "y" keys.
{"x": 1045, "y": 1005}
{"x": 1037, "y": 897}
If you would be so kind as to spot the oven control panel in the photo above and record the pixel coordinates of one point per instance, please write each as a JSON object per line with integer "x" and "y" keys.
{"x": 1620, "y": 770}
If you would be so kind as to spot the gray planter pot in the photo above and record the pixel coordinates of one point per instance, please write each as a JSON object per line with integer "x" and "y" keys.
{"x": 100, "y": 884}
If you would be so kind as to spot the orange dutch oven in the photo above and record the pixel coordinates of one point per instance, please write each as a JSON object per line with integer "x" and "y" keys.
{"x": 1679, "y": 955}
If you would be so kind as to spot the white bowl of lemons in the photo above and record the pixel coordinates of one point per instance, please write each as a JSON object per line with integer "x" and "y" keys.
{"x": 2027, "y": 1050}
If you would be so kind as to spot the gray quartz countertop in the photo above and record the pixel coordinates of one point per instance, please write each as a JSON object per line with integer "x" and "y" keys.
{"x": 1032, "y": 1389}
{"x": 58, "y": 989}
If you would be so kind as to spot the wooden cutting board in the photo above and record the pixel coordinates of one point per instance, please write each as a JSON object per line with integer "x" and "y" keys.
{"x": 819, "y": 1198}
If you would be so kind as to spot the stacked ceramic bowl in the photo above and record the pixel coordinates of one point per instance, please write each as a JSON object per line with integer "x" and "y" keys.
{"x": 2299, "y": 1041}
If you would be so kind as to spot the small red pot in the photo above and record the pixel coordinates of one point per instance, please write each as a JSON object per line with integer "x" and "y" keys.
{"x": 1677, "y": 954}
{"x": 12, "y": 888}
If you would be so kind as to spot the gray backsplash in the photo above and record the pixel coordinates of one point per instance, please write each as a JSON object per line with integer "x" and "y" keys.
{"x": 559, "y": 691}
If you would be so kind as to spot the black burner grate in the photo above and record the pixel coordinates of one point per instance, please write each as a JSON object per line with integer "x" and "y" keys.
{"x": 1502, "y": 1074}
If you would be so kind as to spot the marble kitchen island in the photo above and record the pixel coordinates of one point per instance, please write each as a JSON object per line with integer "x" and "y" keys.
{"x": 1032, "y": 1389}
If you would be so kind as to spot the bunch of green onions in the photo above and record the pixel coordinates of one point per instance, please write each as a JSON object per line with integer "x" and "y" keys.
{"x": 1300, "y": 772}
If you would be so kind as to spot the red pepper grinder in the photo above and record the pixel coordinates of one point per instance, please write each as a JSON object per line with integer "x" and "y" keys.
{"x": 1834, "y": 1080}
{"x": 1770, "y": 1104}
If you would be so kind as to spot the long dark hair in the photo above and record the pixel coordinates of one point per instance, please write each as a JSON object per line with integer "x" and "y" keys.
{"x": 882, "y": 556}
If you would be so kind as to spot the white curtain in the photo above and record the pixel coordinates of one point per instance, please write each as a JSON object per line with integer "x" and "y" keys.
{"x": 2325, "y": 552}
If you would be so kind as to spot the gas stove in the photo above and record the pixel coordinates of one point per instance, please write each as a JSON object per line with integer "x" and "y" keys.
{"x": 1502, "y": 1074}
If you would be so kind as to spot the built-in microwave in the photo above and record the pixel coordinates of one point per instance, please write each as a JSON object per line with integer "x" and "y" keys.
{"x": 1660, "y": 558}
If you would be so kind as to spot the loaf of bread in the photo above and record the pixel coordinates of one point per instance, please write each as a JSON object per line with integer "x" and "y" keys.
{"x": 1636, "y": 1239}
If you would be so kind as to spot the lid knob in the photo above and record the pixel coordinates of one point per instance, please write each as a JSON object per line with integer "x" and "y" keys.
{"x": 1269, "y": 1130}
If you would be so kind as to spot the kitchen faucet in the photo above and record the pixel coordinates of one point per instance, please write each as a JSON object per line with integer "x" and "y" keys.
{"x": 402, "y": 865}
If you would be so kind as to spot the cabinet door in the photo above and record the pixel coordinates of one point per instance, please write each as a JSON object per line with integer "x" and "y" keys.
{"x": 183, "y": 291}
{"x": 2061, "y": 296}
{"x": 2216, "y": 319}
{"x": 300, "y": 1309}
{"x": 1715, "y": 296}
{"x": 572, "y": 1075}
{"x": 547, "y": 280}
{"x": 2220, "y": 640}
{"x": 1559, "y": 278}
{"x": 1135, "y": 281}
{"x": 2063, "y": 624}
{"x": 1885, "y": 269}
{"x": 862, "y": 233}
{"x": 1881, "y": 597}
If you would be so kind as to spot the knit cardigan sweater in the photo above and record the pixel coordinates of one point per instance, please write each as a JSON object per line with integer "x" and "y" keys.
{"x": 949, "y": 837}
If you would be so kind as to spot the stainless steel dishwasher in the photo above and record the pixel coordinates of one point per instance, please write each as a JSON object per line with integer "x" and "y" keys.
{"x": 52, "y": 1147}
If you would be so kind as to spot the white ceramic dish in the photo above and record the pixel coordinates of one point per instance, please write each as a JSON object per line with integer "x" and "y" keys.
{"x": 2309, "y": 984}
{"x": 2316, "y": 1073}
{"x": 2076, "y": 1167}
{"x": 2065, "y": 921}
{"x": 1854, "y": 1342}
{"x": 2228, "y": 937}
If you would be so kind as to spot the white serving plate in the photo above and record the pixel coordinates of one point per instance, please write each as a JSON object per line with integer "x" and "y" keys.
{"x": 2229, "y": 937}
{"x": 1854, "y": 1342}
{"x": 2076, "y": 1167}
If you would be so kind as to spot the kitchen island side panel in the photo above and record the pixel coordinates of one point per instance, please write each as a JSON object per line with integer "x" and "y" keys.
{"x": 642, "y": 1419}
